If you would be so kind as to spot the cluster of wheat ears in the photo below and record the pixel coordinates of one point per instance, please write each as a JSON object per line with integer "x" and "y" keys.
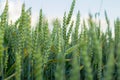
{"x": 65, "y": 53}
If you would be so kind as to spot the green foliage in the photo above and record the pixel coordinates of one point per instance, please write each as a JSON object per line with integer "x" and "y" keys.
{"x": 79, "y": 51}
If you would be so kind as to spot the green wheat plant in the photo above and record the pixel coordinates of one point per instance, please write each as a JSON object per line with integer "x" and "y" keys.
{"x": 72, "y": 50}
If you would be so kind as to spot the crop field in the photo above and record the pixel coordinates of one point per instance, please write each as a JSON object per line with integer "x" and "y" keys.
{"x": 73, "y": 50}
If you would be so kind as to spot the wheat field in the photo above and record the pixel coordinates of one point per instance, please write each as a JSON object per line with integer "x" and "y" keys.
{"x": 65, "y": 53}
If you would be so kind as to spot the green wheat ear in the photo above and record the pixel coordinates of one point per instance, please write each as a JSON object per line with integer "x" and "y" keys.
{"x": 64, "y": 27}
{"x": 4, "y": 16}
{"x": 3, "y": 24}
{"x": 107, "y": 20}
{"x": 69, "y": 32}
{"x": 97, "y": 62}
{"x": 87, "y": 64}
{"x": 75, "y": 73}
{"x": 70, "y": 12}
{"x": 40, "y": 29}
{"x": 18, "y": 66}
{"x": 77, "y": 26}
{"x": 110, "y": 63}
{"x": 60, "y": 73}
{"x": 38, "y": 72}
